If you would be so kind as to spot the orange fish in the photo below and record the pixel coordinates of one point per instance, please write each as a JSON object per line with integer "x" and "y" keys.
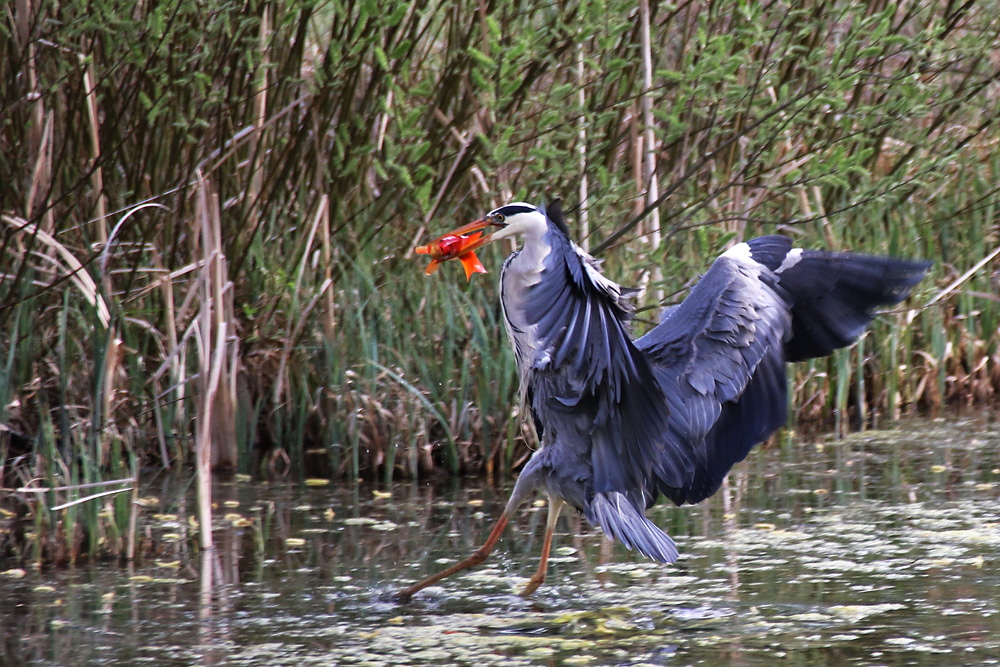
{"x": 454, "y": 245}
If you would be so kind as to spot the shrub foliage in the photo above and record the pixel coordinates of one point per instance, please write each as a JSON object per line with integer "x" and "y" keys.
{"x": 326, "y": 138}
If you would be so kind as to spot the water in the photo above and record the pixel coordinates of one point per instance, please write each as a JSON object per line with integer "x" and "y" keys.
{"x": 877, "y": 550}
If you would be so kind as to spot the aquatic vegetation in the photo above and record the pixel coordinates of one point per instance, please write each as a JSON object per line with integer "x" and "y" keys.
{"x": 895, "y": 565}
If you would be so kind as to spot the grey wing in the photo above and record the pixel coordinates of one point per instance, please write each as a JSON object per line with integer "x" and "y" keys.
{"x": 720, "y": 356}
{"x": 719, "y": 360}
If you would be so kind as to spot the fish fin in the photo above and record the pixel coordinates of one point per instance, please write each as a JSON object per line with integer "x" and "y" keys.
{"x": 471, "y": 264}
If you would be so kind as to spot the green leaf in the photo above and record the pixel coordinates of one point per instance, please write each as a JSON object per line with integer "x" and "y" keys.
{"x": 424, "y": 196}
{"x": 481, "y": 58}
{"x": 381, "y": 58}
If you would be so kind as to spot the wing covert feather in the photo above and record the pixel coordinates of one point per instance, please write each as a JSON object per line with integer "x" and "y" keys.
{"x": 708, "y": 355}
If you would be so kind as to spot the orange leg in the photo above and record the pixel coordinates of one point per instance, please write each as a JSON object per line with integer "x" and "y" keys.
{"x": 475, "y": 559}
{"x": 537, "y": 579}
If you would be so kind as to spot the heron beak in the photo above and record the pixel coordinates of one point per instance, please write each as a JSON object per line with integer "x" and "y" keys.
{"x": 475, "y": 226}
{"x": 461, "y": 243}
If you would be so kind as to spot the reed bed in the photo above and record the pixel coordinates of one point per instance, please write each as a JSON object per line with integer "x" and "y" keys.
{"x": 208, "y": 211}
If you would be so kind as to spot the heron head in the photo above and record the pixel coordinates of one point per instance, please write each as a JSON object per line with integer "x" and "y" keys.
{"x": 516, "y": 219}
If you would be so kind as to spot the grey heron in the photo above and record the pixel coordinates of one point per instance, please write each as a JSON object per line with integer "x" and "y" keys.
{"x": 623, "y": 422}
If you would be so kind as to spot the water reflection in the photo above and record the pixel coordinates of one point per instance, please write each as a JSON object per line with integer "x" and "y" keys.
{"x": 877, "y": 549}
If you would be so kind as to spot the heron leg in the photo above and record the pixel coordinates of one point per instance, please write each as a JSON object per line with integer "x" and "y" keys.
{"x": 475, "y": 559}
{"x": 537, "y": 579}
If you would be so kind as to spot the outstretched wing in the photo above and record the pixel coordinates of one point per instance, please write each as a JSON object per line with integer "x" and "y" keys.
{"x": 719, "y": 359}
{"x": 720, "y": 356}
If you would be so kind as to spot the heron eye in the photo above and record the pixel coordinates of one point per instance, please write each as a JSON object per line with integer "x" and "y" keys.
{"x": 499, "y": 217}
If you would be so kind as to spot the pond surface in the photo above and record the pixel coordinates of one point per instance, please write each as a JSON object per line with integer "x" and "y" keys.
{"x": 880, "y": 549}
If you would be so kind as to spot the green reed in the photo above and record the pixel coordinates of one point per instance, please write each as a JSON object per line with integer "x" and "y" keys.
{"x": 330, "y": 138}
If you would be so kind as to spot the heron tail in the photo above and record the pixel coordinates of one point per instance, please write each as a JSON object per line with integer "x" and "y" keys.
{"x": 624, "y": 522}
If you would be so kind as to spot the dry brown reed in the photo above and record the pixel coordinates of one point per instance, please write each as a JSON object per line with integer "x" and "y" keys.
{"x": 266, "y": 167}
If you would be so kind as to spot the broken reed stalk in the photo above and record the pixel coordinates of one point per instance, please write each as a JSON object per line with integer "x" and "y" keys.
{"x": 650, "y": 145}
{"x": 94, "y": 133}
{"x": 329, "y": 316}
{"x": 40, "y": 129}
{"x": 964, "y": 277}
{"x": 212, "y": 346}
{"x": 583, "y": 218}
{"x": 95, "y": 496}
{"x": 256, "y": 138}
{"x": 71, "y": 487}
{"x": 133, "y": 513}
{"x": 174, "y": 359}
{"x": 77, "y": 274}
